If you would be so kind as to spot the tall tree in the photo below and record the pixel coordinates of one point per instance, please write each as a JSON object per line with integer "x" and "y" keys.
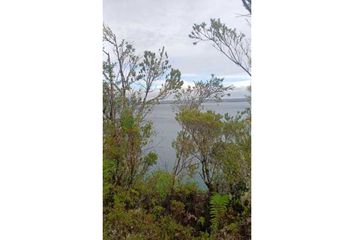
{"x": 130, "y": 90}
{"x": 200, "y": 130}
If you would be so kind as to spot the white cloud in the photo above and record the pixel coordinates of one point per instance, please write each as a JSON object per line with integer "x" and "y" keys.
{"x": 189, "y": 75}
{"x": 187, "y": 84}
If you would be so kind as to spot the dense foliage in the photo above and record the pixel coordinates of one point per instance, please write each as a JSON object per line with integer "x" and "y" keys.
{"x": 140, "y": 204}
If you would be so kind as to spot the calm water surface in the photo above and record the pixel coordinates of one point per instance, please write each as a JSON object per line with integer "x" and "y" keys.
{"x": 166, "y": 128}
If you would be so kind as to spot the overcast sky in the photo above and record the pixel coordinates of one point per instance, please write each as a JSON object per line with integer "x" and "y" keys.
{"x": 151, "y": 24}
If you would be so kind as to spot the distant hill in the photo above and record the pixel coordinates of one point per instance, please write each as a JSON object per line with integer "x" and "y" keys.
{"x": 211, "y": 100}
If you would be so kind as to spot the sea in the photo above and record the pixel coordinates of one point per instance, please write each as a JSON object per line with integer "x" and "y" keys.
{"x": 166, "y": 128}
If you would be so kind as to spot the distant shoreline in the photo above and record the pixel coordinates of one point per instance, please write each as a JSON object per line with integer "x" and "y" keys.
{"x": 212, "y": 101}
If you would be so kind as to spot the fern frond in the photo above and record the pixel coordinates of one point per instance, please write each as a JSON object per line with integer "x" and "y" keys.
{"x": 218, "y": 208}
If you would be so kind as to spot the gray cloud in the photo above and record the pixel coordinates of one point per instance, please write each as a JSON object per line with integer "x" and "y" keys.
{"x": 151, "y": 24}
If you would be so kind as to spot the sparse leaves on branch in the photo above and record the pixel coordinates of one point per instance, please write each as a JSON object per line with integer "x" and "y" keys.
{"x": 135, "y": 81}
{"x": 200, "y": 92}
{"x": 230, "y": 42}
